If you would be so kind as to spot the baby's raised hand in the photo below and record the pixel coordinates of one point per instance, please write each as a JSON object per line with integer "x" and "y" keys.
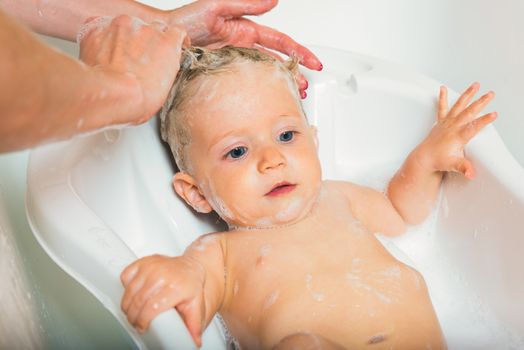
{"x": 157, "y": 283}
{"x": 443, "y": 148}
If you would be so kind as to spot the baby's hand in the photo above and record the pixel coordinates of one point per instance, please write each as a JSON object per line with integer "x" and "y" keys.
{"x": 443, "y": 148}
{"x": 157, "y": 283}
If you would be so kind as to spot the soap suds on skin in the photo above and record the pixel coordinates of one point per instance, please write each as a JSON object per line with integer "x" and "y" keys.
{"x": 271, "y": 299}
{"x": 317, "y": 296}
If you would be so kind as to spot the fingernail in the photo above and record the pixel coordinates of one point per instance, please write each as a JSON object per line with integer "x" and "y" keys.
{"x": 320, "y": 67}
{"x": 303, "y": 94}
{"x": 307, "y": 85}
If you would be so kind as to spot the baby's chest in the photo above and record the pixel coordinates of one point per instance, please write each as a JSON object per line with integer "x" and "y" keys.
{"x": 317, "y": 288}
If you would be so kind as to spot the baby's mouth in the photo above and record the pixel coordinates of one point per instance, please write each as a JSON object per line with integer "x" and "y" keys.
{"x": 281, "y": 188}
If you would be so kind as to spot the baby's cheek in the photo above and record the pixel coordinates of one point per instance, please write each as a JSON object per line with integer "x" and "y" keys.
{"x": 224, "y": 195}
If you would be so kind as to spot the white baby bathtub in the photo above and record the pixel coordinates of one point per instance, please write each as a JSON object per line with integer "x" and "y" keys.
{"x": 96, "y": 203}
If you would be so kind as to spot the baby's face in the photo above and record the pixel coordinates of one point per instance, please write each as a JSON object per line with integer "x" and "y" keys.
{"x": 252, "y": 154}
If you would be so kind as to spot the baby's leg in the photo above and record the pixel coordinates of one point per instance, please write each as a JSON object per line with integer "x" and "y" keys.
{"x": 306, "y": 341}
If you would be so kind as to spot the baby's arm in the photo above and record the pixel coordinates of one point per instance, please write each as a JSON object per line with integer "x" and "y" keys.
{"x": 192, "y": 283}
{"x": 415, "y": 187}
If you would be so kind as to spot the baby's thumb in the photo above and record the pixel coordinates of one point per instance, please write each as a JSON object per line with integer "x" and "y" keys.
{"x": 465, "y": 167}
{"x": 193, "y": 315}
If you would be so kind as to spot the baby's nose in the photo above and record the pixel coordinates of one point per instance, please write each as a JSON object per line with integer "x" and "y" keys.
{"x": 270, "y": 158}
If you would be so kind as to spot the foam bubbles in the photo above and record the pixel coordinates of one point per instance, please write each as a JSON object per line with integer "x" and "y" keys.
{"x": 315, "y": 295}
{"x": 271, "y": 299}
{"x": 97, "y": 23}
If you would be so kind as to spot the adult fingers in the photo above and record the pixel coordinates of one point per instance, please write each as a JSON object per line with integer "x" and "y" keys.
{"x": 269, "y": 52}
{"x": 92, "y": 24}
{"x": 474, "y": 127}
{"x": 178, "y": 36}
{"x": 159, "y": 25}
{"x": 442, "y": 111}
{"x": 474, "y": 109}
{"x": 239, "y": 8}
{"x": 300, "y": 78}
{"x": 275, "y": 40}
{"x": 302, "y": 85}
{"x": 464, "y": 100}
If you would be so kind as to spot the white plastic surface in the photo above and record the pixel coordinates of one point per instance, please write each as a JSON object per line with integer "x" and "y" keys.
{"x": 96, "y": 203}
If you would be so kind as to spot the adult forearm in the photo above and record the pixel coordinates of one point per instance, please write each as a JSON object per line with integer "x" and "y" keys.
{"x": 46, "y": 95}
{"x": 414, "y": 189}
{"x": 63, "y": 19}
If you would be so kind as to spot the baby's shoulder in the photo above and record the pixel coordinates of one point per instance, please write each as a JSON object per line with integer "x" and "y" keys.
{"x": 351, "y": 191}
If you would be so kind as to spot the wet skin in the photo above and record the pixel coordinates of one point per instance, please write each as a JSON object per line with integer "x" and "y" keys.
{"x": 300, "y": 257}
{"x": 325, "y": 275}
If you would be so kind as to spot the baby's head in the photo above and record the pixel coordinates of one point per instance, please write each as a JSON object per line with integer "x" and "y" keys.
{"x": 235, "y": 125}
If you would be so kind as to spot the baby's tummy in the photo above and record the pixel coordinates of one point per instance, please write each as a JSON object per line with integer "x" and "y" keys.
{"x": 380, "y": 307}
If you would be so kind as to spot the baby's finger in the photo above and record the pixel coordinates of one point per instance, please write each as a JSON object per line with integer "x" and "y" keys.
{"x": 474, "y": 109}
{"x": 164, "y": 300}
{"x": 193, "y": 314}
{"x": 465, "y": 167}
{"x": 464, "y": 100}
{"x": 129, "y": 273}
{"x": 442, "y": 103}
{"x": 133, "y": 287}
{"x": 474, "y": 127}
{"x": 152, "y": 287}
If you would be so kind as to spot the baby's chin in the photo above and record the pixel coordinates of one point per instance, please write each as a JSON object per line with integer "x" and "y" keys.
{"x": 295, "y": 210}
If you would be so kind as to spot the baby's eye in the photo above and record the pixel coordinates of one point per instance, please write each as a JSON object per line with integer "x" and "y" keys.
{"x": 286, "y": 136}
{"x": 237, "y": 152}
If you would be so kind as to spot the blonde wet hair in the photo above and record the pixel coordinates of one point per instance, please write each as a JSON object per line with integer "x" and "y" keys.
{"x": 199, "y": 62}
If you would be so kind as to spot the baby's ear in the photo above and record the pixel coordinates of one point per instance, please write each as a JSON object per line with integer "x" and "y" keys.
{"x": 186, "y": 187}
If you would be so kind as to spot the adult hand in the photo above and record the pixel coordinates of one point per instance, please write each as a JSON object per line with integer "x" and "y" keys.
{"x": 147, "y": 55}
{"x": 216, "y": 23}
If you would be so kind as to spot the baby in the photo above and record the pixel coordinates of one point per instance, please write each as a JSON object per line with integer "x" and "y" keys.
{"x": 290, "y": 272}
